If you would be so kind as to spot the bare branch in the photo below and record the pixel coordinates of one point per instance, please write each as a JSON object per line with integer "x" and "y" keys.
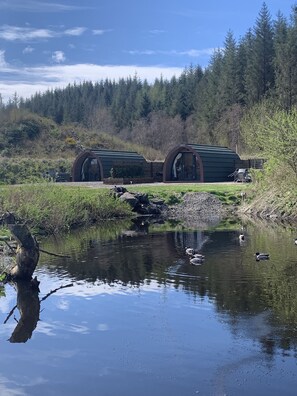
{"x": 53, "y": 254}
{"x": 55, "y": 290}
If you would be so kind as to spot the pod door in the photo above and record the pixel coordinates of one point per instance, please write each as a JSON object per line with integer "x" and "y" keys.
{"x": 90, "y": 170}
{"x": 185, "y": 167}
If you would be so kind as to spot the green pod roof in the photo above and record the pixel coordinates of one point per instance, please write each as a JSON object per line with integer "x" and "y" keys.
{"x": 104, "y": 161}
{"x": 209, "y": 163}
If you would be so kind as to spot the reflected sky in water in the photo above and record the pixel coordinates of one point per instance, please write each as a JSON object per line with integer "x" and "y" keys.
{"x": 139, "y": 319}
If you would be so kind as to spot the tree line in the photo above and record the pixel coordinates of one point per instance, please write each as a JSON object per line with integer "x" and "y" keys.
{"x": 201, "y": 105}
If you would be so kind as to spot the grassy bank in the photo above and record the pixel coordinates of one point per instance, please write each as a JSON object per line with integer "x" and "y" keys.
{"x": 52, "y": 208}
{"x": 273, "y": 194}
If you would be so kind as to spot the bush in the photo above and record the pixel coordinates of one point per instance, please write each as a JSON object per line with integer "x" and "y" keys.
{"x": 25, "y": 170}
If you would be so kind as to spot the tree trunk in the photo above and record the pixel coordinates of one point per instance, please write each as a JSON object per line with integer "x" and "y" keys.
{"x": 28, "y": 305}
{"x": 27, "y": 254}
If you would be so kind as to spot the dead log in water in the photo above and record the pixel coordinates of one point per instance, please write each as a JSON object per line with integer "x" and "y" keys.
{"x": 27, "y": 253}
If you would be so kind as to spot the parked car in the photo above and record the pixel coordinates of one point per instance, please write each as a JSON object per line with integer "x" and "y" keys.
{"x": 241, "y": 175}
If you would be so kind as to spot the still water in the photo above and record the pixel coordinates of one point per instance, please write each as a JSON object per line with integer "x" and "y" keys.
{"x": 127, "y": 314}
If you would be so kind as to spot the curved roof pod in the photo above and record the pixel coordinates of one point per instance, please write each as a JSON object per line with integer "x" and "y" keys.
{"x": 95, "y": 165}
{"x": 199, "y": 163}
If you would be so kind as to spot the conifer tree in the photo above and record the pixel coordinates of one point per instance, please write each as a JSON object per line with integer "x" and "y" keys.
{"x": 229, "y": 81}
{"x": 260, "y": 72}
{"x": 282, "y": 63}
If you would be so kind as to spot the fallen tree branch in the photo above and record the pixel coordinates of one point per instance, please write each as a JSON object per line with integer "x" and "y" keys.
{"x": 53, "y": 254}
{"x": 55, "y": 290}
{"x": 10, "y": 313}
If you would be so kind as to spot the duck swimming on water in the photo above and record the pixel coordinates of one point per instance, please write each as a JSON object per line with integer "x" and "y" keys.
{"x": 262, "y": 256}
{"x": 197, "y": 260}
{"x": 191, "y": 251}
{"x": 198, "y": 255}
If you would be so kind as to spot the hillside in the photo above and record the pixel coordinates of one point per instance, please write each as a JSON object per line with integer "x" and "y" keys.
{"x": 30, "y": 145}
{"x": 24, "y": 134}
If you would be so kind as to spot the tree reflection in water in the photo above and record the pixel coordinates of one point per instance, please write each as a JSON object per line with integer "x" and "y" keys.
{"x": 247, "y": 294}
{"x": 28, "y": 304}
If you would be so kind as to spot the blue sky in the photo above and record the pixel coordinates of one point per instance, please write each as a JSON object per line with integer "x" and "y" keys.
{"x": 45, "y": 44}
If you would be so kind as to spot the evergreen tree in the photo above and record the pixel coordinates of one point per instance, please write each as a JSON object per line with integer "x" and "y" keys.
{"x": 292, "y": 58}
{"x": 229, "y": 81}
{"x": 260, "y": 72}
{"x": 145, "y": 105}
{"x": 244, "y": 52}
{"x": 157, "y": 94}
{"x": 209, "y": 97}
{"x": 282, "y": 63}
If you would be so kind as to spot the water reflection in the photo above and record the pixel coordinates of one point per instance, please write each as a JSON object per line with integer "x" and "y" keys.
{"x": 230, "y": 276}
{"x": 137, "y": 299}
{"x": 28, "y": 305}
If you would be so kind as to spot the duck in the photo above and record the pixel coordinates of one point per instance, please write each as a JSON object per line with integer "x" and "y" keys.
{"x": 191, "y": 251}
{"x": 262, "y": 256}
{"x": 241, "y": 237}
{"x": 196, "y": 260}
{"x": 199, "y": 255}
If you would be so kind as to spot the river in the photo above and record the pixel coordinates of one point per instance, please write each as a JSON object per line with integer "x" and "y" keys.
{"x": 127, "y": 314}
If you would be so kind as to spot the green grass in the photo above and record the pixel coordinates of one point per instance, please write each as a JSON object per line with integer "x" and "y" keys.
{"x": 52, "y": 208}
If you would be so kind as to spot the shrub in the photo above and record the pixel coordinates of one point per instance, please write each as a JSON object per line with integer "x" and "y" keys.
{"x": 25, "y": 170}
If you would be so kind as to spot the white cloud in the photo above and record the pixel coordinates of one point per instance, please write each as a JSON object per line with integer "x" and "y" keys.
{"x": 103, "y": 327}
{"x": 28, "y": 81}
{"x": 197, "y": 53}
{"x": 143, "y": 52}
{"x": 194, "y": 53}
{"x": 156, "y": 31}
{"x": 38, "y": 6}
{"x": 58, "y": 57}
{"x": 28, "y": 50}
{"x": 77, "y": 31}
{"x": 16, "y": 33}
{"x": 2, "y": 59}
{"x": 99, "y": 32}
